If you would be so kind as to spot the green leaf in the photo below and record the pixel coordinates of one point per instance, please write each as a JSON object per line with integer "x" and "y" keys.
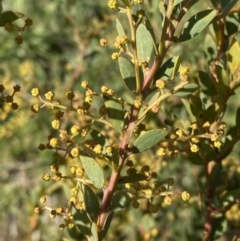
{"x": 91, "y": 203}
{"x": 196, "y": 105}
{"x": 82, "y": 221}
{"x": 197, "y": 24}
{"x": 107, "y": 224}
{"x": 210, "y": 49}
{"x": 222, "y": 76}
{"x": 148, "y": 140}
{"x": 233, "y": 56}
{"x": 188, "y": 108}
{"x": 206, "y": 83}
{"x": 144, "y": 43}
{"x": 195, "y": 158}
{"x": 9, "y": 16}
{"x": 169, "y": 69}
{"x": 211, "y": 113}
{"x": 133, "y": 178}
{"x": 98, "y": 137}
{"x": 127, "y": 72}
{"x": 115, "y": 114}
{"x": 236, "y": 89}
{"x": 228, "y": 6}
{"x": 94, "y": 232}
{"x": 187, "y": 90}
{"x": 232, "y": 24}
{"x": 93, "y": 171}
{"x": 119, "y": 28}
{"x": 120, "y": 201}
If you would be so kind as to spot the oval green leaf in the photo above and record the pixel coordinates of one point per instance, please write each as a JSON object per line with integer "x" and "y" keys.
{"x": 169, "y": 69}
{"x": 127, "y": 72}
{"x": 120, "y": 200}
{"x": 94, "y": 232}
{"x": 187, "y": 90}
{"x": 91, "y": 203}
{"x": 9, "y": 16}
{"x": 119, "y": 28}
{"x": 93, "y": 171}
{"x": 107, "y": 224}
{"x": 144, "y": 43}
{"x": 115, "y": 114}
{"x": 148, "y": 140}
{"x": 197, "y": 24}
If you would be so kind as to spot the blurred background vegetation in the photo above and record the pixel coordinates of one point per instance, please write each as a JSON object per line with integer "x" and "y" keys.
{"x": 59, "y": 51}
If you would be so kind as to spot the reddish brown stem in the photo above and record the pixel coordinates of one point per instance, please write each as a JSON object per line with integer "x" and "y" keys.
{"x": 123, "y": 154}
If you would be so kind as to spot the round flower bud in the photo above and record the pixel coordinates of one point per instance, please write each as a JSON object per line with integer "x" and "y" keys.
{"x": 41, "y": 147}
{"x": 112, "y": 4}
{"x": 129, "y": 163}
{"x": 148, "y": 192}
{"x": 214, "y": 137}
{"x": 115, "y": 56}
{"x": 28, "y": 22}
{"x": 161, "y": 151}
{"x": 35, "y": 92}
{"x": 53, "y": 142}
{"x": 75, "y": 130}
{"x": 49, "y": 95}
{"x": 153, "y": 208}
{"x": 74, "y": 191}
{"x": 84, "y": 84}
{"x": 184, "y": 70}
{"x": 137, "y": 104}
{"x": 9, "y": 27}
{"x": 14, "y": 106}
{"x": 9, "y": 99}
{"x": 43, "y": 200}
{"x": 98, "y": 149}
{"x": 70, "y": 95}
{"x": 62, "y": 226}
{"x": 179, "y": 133}
{"x": 103, "y": 42}
{"x": 56, "y": 124}
{"x": 168, "y": 200}
{"x": 75, "y": 152}
{"x": 18, "y": 40}
{"x": 73, "y": 169}
{"x": 46, "y": 177}
{"x": 104, "y": 89}
{"x": 161, "y": 84}
{"x": 108, "y": 149}
{"x": 170, "y": 181}
{"x": 185, "y": 196}
{"x": 37, "y": 210}
{"x": 217, "y": 144}
{"x": 88, "y": 99}
{"x": 194, "y": 148}
{"x": 16, "y": 88}
{"x": 53, "y": 214}
{"x": 59, "y": 210}
{"x": 80, "y": 171}
{"x": 193, "y": 125}
{"x": 135, "y": 204}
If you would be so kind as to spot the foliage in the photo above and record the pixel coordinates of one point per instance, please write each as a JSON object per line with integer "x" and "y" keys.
{"x": 128, "y": 153}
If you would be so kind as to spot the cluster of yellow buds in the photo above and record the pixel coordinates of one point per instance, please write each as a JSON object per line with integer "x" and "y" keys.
{"x": 112, "y": 4}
